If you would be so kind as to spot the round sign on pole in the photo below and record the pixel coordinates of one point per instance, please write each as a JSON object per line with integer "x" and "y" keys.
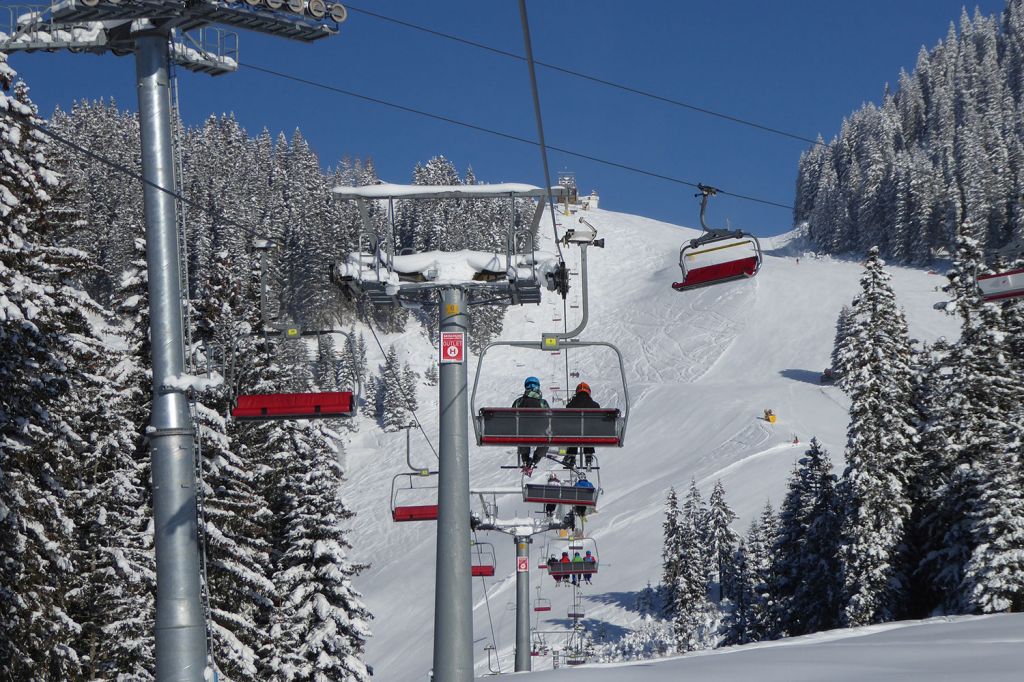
{"x": 522, "y": 564}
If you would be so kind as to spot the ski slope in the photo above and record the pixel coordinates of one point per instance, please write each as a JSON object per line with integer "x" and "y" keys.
{"x": 980, "y": 649}
{"x": 701, "y": 368}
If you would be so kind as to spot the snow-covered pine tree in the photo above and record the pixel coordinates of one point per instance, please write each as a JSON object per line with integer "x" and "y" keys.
{"x": 430, "y": 375}
{"x": 115, "y": 599}
{"x": 321, "y": 625}
{"x": 410, "y": 383}
{"x": 762, "y": 610}
{"x": 327, "y": 368}
{"x": 981, "y": 396}
{"x": 880, "y": 456}
{"x": 806, "y": 580}
{"x": 721, "y": 539}
{"x": 981, "y": 502}
{"x": 47, "y": 346}
{"x": 736, "y": 620}
{"x": 391, "y": 400}
{"x": 696, "y": 512}
{"x": 693, "y": 615}
{"x": 842, "y": 352}
{"x": 236, "y": 514}
{"x": 671, "y": 551}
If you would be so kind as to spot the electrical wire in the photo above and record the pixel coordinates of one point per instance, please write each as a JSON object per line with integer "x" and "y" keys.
{"x": 535, "y": 93}
{"x": 585, "y": 76}
{"x": 502, "y": 134}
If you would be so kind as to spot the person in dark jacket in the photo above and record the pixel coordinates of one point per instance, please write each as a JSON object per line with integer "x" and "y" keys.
{"x": 531, "y": 397}
{"x": 552, "y": 564}
{"x": 580, "y": 399}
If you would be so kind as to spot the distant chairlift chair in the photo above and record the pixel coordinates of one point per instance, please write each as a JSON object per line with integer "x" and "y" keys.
{"x": 717, "y": 256}
{"x": 1001, "y": 285}
{"x": 407, "y": 500}
{"x": 483, "y": 566}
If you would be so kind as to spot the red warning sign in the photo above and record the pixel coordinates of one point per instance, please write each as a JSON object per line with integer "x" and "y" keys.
{"x": 453, "y": 347}
{"x": 522, "y": 564}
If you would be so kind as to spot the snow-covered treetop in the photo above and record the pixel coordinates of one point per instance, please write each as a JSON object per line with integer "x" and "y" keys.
{"x": 388, "y": 190}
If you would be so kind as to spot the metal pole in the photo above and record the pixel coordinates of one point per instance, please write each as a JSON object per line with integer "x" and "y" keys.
{"x": 181, "y": 653}
{"x": 453, "y": 595}
{"x": 522, "y": 605}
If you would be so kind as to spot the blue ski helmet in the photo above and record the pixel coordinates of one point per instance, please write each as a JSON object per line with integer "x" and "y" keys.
{"x": 531, "y": 382}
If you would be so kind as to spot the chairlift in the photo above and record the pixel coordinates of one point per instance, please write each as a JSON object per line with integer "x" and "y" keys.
{"x": 1001, "y": 286}
{"x": 568, "y": 426}
{"x": 484, "y": 565}
{"x": 577, "y": 567}
{"x": 577, "y": 496}
{"x": 718, "y": 255}
{"x": 538, "y": 644}
{"x": 419, "y": 485}
{"x": 408, "y": 492}
{"x": 576, "y": 610}
{"x": 541, "y": 604}
{"x": 279, "y": 406}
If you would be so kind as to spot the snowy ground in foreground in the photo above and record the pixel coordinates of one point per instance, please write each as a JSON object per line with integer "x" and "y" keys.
{"x": 701, "y": 366}
{"x": 979, "y": 649}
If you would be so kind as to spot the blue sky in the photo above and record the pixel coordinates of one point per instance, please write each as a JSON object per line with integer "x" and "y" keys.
{"x": 797, "y": 65}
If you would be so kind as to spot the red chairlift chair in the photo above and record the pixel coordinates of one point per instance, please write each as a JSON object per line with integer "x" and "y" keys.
{"x": 270, "y": 406}
{"x": 483, "y": 566}
{"x": 717, "y": 256}
{"x": 413, "y": 512}
{"x": 1001, "y": 285}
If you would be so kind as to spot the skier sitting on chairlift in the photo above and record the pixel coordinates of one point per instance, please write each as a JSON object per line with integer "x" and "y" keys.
{"x": 588, "y": 559}
{"x": 549, "y": 509}
{"x": 580, "y": 399}
{"x": 552, "y": 562}
{"x": 581, "y": 510}
{"x": 576, "y": 559}
{"x": 531, "y": 397}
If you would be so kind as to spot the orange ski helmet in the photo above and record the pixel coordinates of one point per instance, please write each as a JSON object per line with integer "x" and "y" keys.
{"x": 583, "y": 387}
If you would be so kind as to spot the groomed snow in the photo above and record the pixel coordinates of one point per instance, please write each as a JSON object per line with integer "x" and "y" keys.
{"x": 978, "y": 649}
{"x": 701, "y": 366}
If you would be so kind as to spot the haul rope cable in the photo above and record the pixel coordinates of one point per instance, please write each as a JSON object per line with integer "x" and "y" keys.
{"x": 525, "y": 22}
{"x": 487, "y": 601}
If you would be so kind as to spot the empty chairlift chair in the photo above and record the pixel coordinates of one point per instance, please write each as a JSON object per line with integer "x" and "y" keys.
{"x": 412, "y": 501}
{"x": 271, "y": 406}
{"x": 1002, "y": 285}
{"x": 717, "y": 256}
{"x": 483, "y": 560}
{"x": 542, "y": 605}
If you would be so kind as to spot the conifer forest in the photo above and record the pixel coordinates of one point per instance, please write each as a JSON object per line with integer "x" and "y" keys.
{"x": 834, "y": 443}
